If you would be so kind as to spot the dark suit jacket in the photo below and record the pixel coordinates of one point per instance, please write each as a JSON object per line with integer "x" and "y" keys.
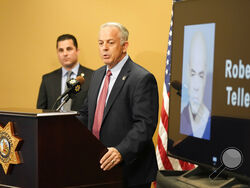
{"x": 50, "y": 89}
{"x": 129, "y": 120}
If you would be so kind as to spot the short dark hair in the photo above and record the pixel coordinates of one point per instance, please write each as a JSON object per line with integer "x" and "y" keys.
{"x": 67, "y": 37}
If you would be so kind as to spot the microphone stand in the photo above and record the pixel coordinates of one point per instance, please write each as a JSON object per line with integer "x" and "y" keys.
{"x": 74, "y": 87}
{"x": 64, "y": 101}
{"x": 58, "y": 99}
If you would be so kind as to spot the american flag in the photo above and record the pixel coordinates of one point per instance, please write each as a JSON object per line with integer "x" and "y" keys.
{"x": 165, "y": 162}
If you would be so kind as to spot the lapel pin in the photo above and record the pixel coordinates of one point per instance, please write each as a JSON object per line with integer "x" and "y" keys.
{"x": 124, "y": 77}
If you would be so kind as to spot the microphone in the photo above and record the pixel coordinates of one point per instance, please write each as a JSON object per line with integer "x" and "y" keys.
{"x": 177, "y": 85}
{"x": 74, "y": 87}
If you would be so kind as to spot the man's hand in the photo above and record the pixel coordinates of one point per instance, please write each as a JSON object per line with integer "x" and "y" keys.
{"x": 110, "y": 159}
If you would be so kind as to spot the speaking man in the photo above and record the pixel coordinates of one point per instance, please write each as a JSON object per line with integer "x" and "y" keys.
{"x": 122, "y": 109}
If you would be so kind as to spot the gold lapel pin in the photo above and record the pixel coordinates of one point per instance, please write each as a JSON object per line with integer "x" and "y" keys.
{"x": 124, "y": 77}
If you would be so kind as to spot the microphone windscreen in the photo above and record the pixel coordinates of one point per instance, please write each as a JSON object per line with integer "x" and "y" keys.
{"x": 176, "y": 84}
{"x": 80, "y": 79}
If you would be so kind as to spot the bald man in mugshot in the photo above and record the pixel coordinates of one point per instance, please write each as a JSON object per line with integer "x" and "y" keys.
{"x": 195, "y": 117}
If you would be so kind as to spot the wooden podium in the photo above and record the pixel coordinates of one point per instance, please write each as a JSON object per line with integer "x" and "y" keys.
{"x": 56, "y": 151}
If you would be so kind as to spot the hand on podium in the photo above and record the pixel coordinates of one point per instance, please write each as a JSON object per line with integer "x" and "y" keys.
{"x": 110, "y": 159}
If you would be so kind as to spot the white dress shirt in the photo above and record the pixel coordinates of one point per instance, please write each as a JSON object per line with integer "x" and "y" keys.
{"x": 115, "y": 72}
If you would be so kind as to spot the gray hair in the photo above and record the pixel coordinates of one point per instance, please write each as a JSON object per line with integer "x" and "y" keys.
{"x": 123, "y": 30}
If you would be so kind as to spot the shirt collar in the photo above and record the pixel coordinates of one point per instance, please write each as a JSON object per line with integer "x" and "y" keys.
{"x": 117, "y": 68}
{"x": 74, "y": 70}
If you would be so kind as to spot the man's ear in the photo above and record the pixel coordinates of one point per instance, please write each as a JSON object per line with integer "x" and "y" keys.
{"x": 125, "y": 46}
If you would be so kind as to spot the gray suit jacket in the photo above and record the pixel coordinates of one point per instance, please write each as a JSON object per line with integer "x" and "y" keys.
{"x": 50, "y": 89}
{"x": 129, "y": 121}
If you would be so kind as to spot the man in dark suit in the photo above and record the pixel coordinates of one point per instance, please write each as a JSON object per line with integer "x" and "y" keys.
{"x": 53, "y": 83}
{"x": 130, "y": 115}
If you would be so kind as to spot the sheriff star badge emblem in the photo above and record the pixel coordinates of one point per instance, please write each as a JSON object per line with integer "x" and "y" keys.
{"x": 8, "y": 145}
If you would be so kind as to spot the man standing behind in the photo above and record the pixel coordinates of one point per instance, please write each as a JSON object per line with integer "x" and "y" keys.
{"x": 121, "y": 109}
{"x": 54, "y": 83}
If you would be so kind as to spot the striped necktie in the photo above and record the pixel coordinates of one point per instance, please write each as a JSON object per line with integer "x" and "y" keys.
{"x": 67, "y": 105}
